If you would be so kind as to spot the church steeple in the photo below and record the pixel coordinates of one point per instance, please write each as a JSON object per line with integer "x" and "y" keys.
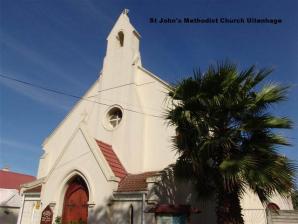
{"x": 123, "y": 43}
{"x": 125, "y": 11}
{"x": 122, "y": 55}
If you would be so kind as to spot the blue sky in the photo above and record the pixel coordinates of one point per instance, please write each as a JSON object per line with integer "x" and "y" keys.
{"x": 60, "y": 44}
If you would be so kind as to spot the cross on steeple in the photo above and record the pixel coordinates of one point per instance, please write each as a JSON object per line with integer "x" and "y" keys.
{"x": 125, "y": 11}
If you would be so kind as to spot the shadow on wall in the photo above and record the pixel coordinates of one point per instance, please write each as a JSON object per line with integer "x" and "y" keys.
{"x": 168, "y": 190}
{"x": 171, "y": 190}
{"x": 8, "y": 215}
{"x": 116, "y": 213}
{"x": 100, "y": 215}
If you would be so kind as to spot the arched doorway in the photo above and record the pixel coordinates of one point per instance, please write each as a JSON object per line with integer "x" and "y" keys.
{"x": 75, "y": 207}
{"x": 273, "y": 207}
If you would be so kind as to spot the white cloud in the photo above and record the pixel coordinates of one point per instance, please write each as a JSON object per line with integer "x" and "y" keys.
{"x": 39, "y": 60}
{"x": 93, "y": 10}
{"x": 12, "y": 144}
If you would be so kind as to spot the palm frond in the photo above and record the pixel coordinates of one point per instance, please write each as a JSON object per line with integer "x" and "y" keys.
{"x": 226, "y": 134}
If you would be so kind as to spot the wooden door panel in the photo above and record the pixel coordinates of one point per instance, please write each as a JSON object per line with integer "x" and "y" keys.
{"x": 75, "y": 204}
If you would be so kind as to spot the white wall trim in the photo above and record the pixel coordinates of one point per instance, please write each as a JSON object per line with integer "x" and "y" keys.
{"x": 154, "y": 76}
{"x": 32, "y": 184}
{"x": 99, "y": 157}
{"x": 47, "y": 139}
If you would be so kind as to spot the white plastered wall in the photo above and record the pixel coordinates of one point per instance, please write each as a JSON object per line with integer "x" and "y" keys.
{"x": 157, "y": 143}
{"x": 30, "y": 212}
{"x": 58, "y": 139}
{"x": 251, "y": 201}
{"x": 255, "y": 212}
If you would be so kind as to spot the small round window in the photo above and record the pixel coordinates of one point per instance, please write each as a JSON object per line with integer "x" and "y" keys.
{"x": 114, "y": 117}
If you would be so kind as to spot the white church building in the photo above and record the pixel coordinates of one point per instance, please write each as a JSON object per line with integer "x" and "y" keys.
{"x": 103, "y": 162}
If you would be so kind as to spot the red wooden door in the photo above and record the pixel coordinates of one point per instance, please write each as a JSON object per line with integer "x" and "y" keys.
{"x": 75, "y": 204}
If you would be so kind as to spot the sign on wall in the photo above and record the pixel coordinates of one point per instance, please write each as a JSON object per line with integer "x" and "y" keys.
{"x": 46, "y": 216}
{"x": 169, "y": 219}
{"x": 37, "y": 205}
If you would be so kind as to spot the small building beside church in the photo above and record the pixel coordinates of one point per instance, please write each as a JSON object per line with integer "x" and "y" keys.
{"x": 10, "y": 198}
{"x": 108, "y": 160}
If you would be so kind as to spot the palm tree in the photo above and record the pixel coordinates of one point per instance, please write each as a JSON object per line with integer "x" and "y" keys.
{"x": 295, "y": 198}
{"x": 226, "y": 139}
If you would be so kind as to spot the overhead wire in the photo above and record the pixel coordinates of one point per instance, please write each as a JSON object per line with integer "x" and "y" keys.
{"x": 120, "y": 86}
{"x": 74, "y": 96}
{"x": 116, "y": 87}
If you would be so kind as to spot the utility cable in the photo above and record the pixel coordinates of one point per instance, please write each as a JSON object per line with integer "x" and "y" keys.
{"x": 127, "y": 84}
{"x": 71, "y": 95}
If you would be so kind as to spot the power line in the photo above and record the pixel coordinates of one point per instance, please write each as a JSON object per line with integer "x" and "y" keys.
{"x": 123, "y": 85}
{"x": 71, "y": 95}
{"x": 116, "y": 87}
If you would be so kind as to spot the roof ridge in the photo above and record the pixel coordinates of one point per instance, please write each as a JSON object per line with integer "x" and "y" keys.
{"x": 146, "y": 172}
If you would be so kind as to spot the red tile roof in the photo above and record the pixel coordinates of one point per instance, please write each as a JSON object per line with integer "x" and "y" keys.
{"x": 129, "y": 182}
{"x": 112, "y": 159}
{"x": 12, "y": 180}
{"x": 135, "y": 182}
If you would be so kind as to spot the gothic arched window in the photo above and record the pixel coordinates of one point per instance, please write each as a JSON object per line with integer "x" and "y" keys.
{"x": 120, "y": 38}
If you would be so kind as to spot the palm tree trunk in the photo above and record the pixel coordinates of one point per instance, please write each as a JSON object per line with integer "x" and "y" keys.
{"x": 228, "y": 209}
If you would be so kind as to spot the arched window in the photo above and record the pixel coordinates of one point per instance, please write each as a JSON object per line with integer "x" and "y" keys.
{"x": 130, "y": 214}
{"x": 120, "y": 38}
{"x": 272, "y": 206}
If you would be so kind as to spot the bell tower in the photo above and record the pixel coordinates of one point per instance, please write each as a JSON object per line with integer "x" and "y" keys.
{"x": 122, "y": 52}
{"x": 120, "y": 95}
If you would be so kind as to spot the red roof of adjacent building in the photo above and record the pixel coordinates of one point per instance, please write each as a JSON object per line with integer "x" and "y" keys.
{"x": 112, "y": 159}
{"x": 135, "y": 182}
{"x": 12, "y": 180}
